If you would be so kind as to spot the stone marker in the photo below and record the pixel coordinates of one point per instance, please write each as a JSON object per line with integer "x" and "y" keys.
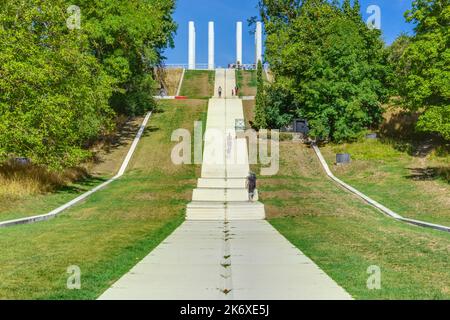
{"x": 342, "y": 158}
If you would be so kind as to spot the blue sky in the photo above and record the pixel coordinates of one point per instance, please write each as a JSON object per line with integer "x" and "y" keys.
{"x": 225, "y": 13}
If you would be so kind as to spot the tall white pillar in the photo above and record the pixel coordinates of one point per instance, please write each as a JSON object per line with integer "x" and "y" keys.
{"x": 195, "y": 48}
{"x": 239, "y": 42}
{"x": 258, "y": 42}
{"x": 211, "y": 45}
{"x": 191, "y": 60}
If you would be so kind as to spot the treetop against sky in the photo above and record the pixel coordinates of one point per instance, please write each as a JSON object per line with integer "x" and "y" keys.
{"x": 225, "y": 13}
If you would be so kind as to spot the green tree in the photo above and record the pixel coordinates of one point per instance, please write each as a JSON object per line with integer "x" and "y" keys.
{"x": 53, "y": 92}
{"x": 347, "y": 8}
{"x": 328, "y": 66}
{"x": 260, "y": 110}
{"x": 395, "y": 54}
{"x": 128, "y": 38}
{"x": 59, "y": 87}
{"x": 425, "y": 86}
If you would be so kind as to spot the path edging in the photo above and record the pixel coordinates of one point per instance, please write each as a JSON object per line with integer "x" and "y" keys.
{"x": 372, "y": 202}
{"x": 181, "y": 82}
{"x": 54, "y": 213}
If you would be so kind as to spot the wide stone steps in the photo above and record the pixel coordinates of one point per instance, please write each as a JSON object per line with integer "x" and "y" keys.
{"x": 221, "y": 183}
{"x": 215, "y": 210}
{"x": 221, "y": 192}
{"x": 223, "y": 195}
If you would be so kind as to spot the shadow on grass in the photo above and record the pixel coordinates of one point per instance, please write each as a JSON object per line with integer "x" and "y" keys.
{"x": 400, "y": 131}
{"x": 127, "y": 135}
{"x": 429, "y": 174}
{"x": 83, "y": 185}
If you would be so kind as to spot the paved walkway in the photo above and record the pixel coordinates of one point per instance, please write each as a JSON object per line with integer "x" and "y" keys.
{"x": 225, "y": 250}
{"x": 221, "y": 193}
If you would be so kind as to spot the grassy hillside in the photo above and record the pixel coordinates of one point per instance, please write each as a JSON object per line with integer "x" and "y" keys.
{"x": 28, "y": 191}
{"x": 414, "y": 186}
{"x": 198, "y": 84}
{"x": 406, "y": 170}
{"x": 172, "y": 79}
{"x": 345, "y": 236}
{"x": 247, "y": 82}
{"x": 112, "y": 230}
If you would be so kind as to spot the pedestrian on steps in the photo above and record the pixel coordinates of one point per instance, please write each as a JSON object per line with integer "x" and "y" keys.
{"x": 220, "y": 92}
{"x": 251, "y": 185}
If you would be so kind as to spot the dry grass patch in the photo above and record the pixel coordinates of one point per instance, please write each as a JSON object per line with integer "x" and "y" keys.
{"x": 110, "y": 153}
{"x": 172, "y": 80}
{"x": 19, "y": 181}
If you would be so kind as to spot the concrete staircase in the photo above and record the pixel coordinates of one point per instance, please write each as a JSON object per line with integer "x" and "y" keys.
{"x": 221, "y": 193}
{"x": 214, "y": 210}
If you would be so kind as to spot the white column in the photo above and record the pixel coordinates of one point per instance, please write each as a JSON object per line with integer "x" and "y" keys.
{"x": 195, "y": 48}
{"x": 239, "y": 42}
{"x": 191, "y": 60}
{"x": 258, "y": 42}
{"x": 211, "y": 45}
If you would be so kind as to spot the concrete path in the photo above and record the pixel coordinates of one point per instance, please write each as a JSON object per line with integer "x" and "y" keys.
{"x": 216, "y": 260}
{"x": 225, "y": 250}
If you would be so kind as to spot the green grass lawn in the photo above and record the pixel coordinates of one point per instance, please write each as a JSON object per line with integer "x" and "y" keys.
{"x": 31, "y": 205}
{"x": 247, "y": 82}
{"x": 415, "y": 187}
{"x": 345, "y": 236}
{"x": 198, "y": 84}
{"x": 111, "y": 231}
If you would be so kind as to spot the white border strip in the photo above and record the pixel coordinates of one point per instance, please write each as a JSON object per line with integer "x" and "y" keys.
{"x": 66, "y": 206}
{"x": 181, "y": 82}
{"x": 372, "y": 202}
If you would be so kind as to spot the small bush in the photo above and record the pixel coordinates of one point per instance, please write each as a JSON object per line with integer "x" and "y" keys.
{"x": 284, "y": 136}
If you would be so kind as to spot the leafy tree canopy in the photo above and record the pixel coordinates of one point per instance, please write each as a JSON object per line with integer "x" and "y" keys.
{"x": 329, "y": 67}
{"x": 425, "y": 78}
{"x": 57, "y": 85}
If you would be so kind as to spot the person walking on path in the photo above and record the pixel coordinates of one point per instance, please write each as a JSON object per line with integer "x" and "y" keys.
{"x": 220, "y": 92}
{"x": 251, "y": 186}
{"x": 236, "y": 90}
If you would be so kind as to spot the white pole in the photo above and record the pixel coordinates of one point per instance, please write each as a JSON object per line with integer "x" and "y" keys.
{"x": 239, "y": 42}
{"x": 211, "y": 45}
{"x": 195, "y": 51}
{"x": 191, "y": 60}
{"x": 258, "y": 40}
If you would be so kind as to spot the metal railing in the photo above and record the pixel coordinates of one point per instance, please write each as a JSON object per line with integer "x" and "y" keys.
{"x": 205, "y": 66}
